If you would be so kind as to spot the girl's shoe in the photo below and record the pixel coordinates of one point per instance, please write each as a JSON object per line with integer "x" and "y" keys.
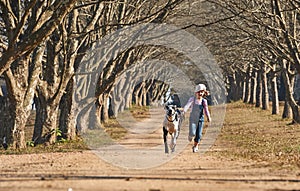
{"x": 195, "y": 149}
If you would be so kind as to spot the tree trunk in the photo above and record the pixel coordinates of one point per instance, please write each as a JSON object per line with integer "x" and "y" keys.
{"x": 157, "y": 92}
{"x": 119, "y": 94}
{"x": 127, "y": 91}
{"x": 20, "y": 86}
{"x": 99, "y": 108}
{"x": 287, "y": 110}
{"x": 161, "y": 90}
{"x": 275, "y": 100}
{"x": 247, "y": 85}
{"x": 128, "y": 97}
{"x": 66, "y": 118}
{"x": 141, "y": 93}
{"x": 46, "y": 121}
{"x": 252, "y": 99}
{"x": 233, "y": 93}
{"x": 265, "y": 92}
{"x": 259, "y": 90}
{"x": 137, "y": 94}
{"x": 105, "y": 108}
{"x": 110, "y": 109}
{"x": 144, "y": 96}
{"x": 5, "y": 117}
{"x": 18, "y": 130}
{"x": 51, "y": 123}
{"x": 289, "y": 79}
{"x": 115, "y": 101}
{"x": 148, "y": 92}
{"x": 39, "y": 117}
{"x": 56, "y": 76}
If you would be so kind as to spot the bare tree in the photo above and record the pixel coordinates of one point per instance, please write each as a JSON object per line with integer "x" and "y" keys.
{"x": 26, "y": 25}
{"x": 265, "y": 29}
{"x": 21, "y": 40}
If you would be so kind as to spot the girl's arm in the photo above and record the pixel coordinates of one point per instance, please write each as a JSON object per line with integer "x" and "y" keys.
{"x": 188, "y": 104}
{"x": 206, "y": 111}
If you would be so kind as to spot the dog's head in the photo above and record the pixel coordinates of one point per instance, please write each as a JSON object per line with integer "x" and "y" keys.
{"x": 170, "y": 109}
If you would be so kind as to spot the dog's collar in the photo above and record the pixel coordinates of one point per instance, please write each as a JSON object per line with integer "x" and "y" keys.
{"x": 175, "y": 119}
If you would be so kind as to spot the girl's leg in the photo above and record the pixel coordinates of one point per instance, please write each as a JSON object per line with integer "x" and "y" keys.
{"x": 198, "y": 136}
{"x": 192, "y": 131}
{"x": 199, "y": 132}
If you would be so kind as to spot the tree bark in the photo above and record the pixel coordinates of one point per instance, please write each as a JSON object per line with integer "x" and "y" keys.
{"x": 144, "y": 96}
{"x": 265, "y": 92}
{"x": 46, "y": 121}
{"x": 233, "y": 92}
{"x": 105, "y": 108}
{"x": 287, "y": 111}
{"x": 289, "y": 77}
{"x": 259, "y": 90}
{"x": 40, "y": 113}
{"x": 18, "y": 129}
{"x": 66, "y": 118}
{"x": 274, "y": 89}
{"x": 5, "y": 117}
{"x": 21, "y": 85}
{"x": 247, "y": 85}
{"x": 140, "y": 94}
{"x": 252, "y": 99}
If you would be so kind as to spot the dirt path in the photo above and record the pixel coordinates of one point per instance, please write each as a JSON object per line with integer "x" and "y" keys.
{"x": 186, "y": 171}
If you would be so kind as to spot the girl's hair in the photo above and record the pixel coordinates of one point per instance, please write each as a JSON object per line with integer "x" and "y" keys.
{"x": 206, "y": 93}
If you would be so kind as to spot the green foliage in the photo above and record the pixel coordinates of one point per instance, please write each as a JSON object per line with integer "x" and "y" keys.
{"x": 30, "y": 143}
{"x": 62, "y": 140}
{"x": 58, "y": 132}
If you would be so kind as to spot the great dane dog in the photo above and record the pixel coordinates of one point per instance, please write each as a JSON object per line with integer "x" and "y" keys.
{"x": 171, "y": 125}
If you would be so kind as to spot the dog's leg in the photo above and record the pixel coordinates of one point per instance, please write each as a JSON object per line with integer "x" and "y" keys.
{"x": 174, "y": 139}
{"x": 179, "y": 126}
{"x": 165, "y": 140}
{"x": 178, "y": 131}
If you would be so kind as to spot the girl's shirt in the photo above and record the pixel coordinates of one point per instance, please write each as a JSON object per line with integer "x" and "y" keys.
{"x": 190, "y": 103}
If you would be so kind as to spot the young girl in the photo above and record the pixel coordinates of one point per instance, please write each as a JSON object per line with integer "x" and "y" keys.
{"x": 199, "y": 106}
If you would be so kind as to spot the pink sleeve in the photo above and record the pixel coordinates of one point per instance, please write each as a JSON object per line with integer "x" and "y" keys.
{"x": 188, "y": 104}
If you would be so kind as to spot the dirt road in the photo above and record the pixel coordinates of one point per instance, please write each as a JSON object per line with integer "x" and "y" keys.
{"x": 188, "y": 171}
{"x": 79, "y": 171}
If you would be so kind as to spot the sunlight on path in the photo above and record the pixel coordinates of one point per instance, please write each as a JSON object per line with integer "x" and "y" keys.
{"x": 143, "y": 146}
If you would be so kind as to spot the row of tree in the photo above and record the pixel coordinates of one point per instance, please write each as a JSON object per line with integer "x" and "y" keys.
{"x": 257, "y": 46}
{"x": 44, "y": 45}
{"x": 82, "y": 61}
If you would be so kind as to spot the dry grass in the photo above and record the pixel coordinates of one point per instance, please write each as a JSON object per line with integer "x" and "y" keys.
{"x": 116, "y": 131}
{"x": 253, "y": 133}
{"x": 140, "y": 112}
